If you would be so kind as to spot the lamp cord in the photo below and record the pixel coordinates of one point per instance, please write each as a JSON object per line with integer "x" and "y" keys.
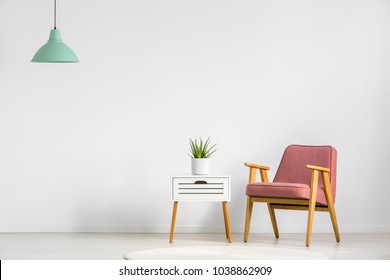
{"x": 55, "y": 14}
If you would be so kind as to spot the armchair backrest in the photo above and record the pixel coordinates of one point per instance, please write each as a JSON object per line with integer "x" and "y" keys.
{"x": 292, "y": 168}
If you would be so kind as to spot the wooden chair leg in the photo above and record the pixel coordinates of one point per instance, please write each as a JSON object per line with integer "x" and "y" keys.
{"x": 310, "y": 224}
{"x": 329, "y": 200}
{"x": 332, "y": 213}
{"x": 273, "y": 219}
{"x": 173, "y": 222}
{"x": 227, "y": 221}
{"x": 312, "y": 206}
{"x": 249, "y": 206}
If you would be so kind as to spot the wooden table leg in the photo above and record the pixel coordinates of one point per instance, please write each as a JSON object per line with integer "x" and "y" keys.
{"x": 173, "y": 221}
{"x": 227, "y": 221}
{"x": 224, "y": 220}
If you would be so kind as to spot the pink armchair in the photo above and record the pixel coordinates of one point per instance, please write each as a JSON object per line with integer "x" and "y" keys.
{"x": 296, "y": 186}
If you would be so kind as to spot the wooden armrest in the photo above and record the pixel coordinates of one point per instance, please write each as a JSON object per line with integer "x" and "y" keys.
{"x": 319, "y": 168}
{"x": 256, "y": 166}
{"x": 325, "y": 174}
{"x": 252, "y": 172}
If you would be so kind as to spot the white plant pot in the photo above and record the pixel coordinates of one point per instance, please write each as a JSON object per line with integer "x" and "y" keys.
{"x": 200, "y": 166}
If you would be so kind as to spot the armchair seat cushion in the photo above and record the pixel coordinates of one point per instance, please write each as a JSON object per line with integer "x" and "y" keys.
{"x": 284, "y": 190}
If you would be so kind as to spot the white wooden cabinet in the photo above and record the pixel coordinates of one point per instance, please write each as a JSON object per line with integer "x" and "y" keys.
{"x": 201, "y": 188}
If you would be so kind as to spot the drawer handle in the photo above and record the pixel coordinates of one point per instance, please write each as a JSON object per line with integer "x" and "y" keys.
{"x": 200, "y": 182}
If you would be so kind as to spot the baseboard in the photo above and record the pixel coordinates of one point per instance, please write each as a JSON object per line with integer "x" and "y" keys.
{"x": 192, "y": 229}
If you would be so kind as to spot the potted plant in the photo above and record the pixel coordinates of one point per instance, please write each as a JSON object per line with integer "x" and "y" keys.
{"x": 200, "y": 152}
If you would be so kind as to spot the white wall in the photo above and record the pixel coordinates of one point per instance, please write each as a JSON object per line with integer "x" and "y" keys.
{"x": 92, "y": 146}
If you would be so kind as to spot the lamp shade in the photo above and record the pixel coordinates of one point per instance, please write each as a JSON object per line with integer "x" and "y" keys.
{"x": 55, "y": 50}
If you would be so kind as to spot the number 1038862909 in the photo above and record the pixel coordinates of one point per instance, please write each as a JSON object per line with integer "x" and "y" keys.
{"x": 237, "y": 270}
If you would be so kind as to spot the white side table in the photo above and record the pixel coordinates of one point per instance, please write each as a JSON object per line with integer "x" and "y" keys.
{"x": 201, "y": 188}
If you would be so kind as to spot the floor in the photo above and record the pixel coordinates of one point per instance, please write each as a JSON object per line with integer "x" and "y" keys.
{"x": 112, "y": 246}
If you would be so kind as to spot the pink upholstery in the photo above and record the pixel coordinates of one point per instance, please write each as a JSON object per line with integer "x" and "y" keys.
{"x": 292, "y": 180}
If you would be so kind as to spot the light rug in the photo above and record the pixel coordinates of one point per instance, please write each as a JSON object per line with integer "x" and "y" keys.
{"x": 224, "y": 253}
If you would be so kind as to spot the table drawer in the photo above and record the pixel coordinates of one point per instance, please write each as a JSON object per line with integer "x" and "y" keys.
{"x": 200, "y": 189}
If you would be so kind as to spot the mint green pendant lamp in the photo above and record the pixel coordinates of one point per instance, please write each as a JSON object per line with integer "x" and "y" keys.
{"x": 55, "y": 50}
